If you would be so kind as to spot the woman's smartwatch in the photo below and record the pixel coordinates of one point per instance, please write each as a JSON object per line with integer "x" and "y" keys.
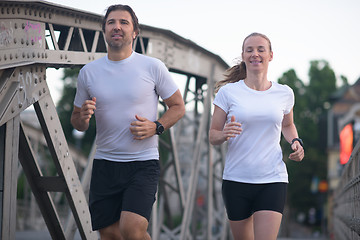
{"x": 159, "y": 128}
{"x": 299, "y": 140}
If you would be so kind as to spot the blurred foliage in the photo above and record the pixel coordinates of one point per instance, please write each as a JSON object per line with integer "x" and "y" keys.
{"x": 65, "y": 107}
{"x": 310, "y": 117}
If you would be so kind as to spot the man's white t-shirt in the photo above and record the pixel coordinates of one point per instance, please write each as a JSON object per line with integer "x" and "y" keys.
{"x": 124, "y": 89}
{"x": 255, "y": 156}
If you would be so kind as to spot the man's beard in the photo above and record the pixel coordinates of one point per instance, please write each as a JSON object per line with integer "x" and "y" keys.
{"x": 119, "y": 45}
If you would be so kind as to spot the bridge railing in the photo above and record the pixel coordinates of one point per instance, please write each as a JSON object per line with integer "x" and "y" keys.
{"x": 346, "y": 207}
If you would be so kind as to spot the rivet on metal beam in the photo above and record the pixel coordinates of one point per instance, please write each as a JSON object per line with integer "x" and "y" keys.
{"x": 11, "y": 57}
{"x": 65, "y": 56}
{"x": 22, "y": 41}
{"x": 13, "y": 11}
{"x": 18, "y": 10}
{"x": 30, "y": 12}
{"x": 8, "y": 11}
{"x": 61, "y": 56}
{"x": 20, "y": 105}
{"x": 15, "y": 40}
{"x": 27, "y": 42}
{"x": 33, "y": 54}
{"x": 23, "y": 55}
{"x": 12, "y": 110}
{"x": 15, "y": 26}
{"x": 47, "y": 106}
{"x": 16, "y": 56}
{"x": 5, "y": 58}
{"x": 50, "y": 16}
{"x": 21, "y": 88}
{"x": 40, "y": 93}
{"x": 46, "y": 56}
{"x": 44, "y": 90}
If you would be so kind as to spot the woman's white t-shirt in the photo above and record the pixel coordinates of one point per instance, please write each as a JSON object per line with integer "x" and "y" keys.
{"x": 255, "y": 156}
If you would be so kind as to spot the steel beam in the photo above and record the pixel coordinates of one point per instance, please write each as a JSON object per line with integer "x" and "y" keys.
{"x": 35, "y": 35}
{"x": 9, "y": 158}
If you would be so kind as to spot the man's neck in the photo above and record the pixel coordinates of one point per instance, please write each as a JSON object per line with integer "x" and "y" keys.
{"x": 119, "y": 54}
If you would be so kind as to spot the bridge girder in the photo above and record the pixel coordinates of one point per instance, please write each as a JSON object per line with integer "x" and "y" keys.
{"x": 36, "y": 35}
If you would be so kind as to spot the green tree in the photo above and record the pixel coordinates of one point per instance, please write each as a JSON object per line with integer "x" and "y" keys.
{"x": 311, "y": 103}
{"x": 65, "y": 107}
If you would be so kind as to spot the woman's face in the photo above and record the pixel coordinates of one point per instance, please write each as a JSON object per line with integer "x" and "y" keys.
{"x": 256, "y": 54}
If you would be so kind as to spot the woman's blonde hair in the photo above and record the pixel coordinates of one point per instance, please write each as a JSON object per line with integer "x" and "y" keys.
{"x": 238, "y": 71}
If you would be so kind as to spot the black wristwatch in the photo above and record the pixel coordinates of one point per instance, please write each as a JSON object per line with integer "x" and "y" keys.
{"x": 159, "y": 128}
{"x": 299, "y": 140}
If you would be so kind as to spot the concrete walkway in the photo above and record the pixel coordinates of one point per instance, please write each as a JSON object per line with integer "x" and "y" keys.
{"x": 44, "y": 235}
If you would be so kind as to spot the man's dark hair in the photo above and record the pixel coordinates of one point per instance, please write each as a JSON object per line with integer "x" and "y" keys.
{"x": 127, "y": 8}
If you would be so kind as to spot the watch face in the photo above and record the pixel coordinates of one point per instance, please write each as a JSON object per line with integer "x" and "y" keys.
{"x": 160, "y": 129}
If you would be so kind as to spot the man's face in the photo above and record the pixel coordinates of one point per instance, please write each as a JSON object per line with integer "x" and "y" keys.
{"x": 119, "y": 30}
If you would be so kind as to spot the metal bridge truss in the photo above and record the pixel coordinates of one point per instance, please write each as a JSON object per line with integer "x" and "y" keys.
{"x": 346, "y": 202}
{"x": 346, "y": 209}
{"x": 36, "y": 35}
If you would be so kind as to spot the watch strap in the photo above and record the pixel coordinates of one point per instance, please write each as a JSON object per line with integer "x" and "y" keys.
{"x": 299, "y": 140}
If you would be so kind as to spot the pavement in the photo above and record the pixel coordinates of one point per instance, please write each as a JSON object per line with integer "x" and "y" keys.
{"x": 44, "y": 235}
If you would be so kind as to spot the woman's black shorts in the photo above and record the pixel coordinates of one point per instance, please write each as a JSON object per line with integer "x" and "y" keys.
{"x": 122, "y": 186}
{"x": 243, "y": 199}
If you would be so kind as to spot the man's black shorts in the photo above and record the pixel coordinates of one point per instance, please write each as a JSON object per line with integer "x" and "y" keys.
{"x": 243, "y": 199}
{"x": 122, "y": 186}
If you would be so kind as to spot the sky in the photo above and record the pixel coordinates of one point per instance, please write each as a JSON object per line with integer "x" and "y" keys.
{"x": 300, "y": 30}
